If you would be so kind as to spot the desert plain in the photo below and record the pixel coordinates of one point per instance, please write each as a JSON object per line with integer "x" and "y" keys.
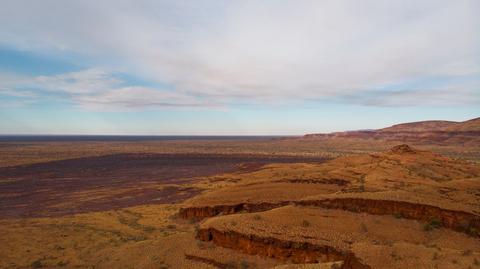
{"x": 406, "y": 196}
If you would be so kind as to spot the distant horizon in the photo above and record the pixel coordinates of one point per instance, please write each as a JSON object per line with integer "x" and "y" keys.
{"x": 134, "y": 135}
{"x": 219, "y": 135}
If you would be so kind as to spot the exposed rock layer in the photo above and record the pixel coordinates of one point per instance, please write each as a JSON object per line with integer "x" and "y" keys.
{"x": 452, "y": 219}
{"x": 297, "y": 252}
{"x": 211, "y": 211}
{"x": 334, "y": 181}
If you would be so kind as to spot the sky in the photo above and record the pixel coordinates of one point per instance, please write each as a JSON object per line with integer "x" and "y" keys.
{"x": 270, "y": 67}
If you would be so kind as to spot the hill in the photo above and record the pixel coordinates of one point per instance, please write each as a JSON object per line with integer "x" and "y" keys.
{"x": 421, "y": 126}
{"x": 462, "y": 136}
{"x": 393, "y": 209}
{"x": 472, "y": 125}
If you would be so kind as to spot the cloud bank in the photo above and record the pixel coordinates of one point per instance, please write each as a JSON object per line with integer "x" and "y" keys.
{"x": 259, "y": 52}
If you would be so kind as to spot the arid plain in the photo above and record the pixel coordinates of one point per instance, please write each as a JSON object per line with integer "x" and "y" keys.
{"x": 406, "y": 196}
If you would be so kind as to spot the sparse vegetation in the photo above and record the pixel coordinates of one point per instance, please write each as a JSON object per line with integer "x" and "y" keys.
{"x": 244, "y": 264}
{"x": 163, "y": 266}
{"x": 395, "y": 256}
{"x": 305, "y": 223}
{"x": 200, "y": 244}
{"x": 257, "y": 217}
{"x": 432, "y": 224}
{"x": 171, "y": 226}
{"x": 335, "y": 266}
{"x": 37, "y": 264}
{"x": 148, "y": 229}
{"x": 362, "y": 183}
{"x": 363, "y": 227}
{"x": 231, "y": 265}
{"x": 427, "y": 227}
{"x": 61, "y": 263}
{"x": 435, "y": 223}
{"x": 297, "y": 245}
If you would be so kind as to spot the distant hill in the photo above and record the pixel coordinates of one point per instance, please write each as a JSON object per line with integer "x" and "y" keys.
{"x": 422, "y": 132}
{"x": 472, "y": 125}
{"x": 436, "y": 126}
{"x": 420, "y": 126}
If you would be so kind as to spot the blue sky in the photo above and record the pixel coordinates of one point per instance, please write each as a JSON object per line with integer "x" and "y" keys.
{"x": 235, "y": 67}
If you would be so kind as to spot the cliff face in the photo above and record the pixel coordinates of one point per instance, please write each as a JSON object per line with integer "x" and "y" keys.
{"x": 211, "y": 211}
{"x": 297, "y": 252}
{"x": 455, "y": 220}
{"x": 451, "y": 219}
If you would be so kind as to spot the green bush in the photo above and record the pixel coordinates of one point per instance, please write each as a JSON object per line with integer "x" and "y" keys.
{"x": 435, "y": 223}
{"x": 432, "y": 224}
{"x": 427, "y": 227}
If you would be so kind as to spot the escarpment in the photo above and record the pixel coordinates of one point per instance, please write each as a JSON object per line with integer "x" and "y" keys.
{"x": 456, "y": 220}
{"x": 202, "y": 212}
{"x": 334, "y": 181}
{"x": 293, "y": 251}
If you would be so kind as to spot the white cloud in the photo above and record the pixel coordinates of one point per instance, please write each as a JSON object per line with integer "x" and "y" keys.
{"x": 254, "y": 51}
{"x": 429, "y": 97}
{"x": 94, "y": 89}
{"x": 81, "y": 82}
{"x": 136, "y": 97}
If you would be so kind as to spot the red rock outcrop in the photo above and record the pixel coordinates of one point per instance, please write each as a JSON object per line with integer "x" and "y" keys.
{"x": 211, "y": 211}
{"x": 453, "y": 219}
{"x": 402, "y": 149}
{"x": 297, "y": 252}
{"x": 333, "y": 181}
